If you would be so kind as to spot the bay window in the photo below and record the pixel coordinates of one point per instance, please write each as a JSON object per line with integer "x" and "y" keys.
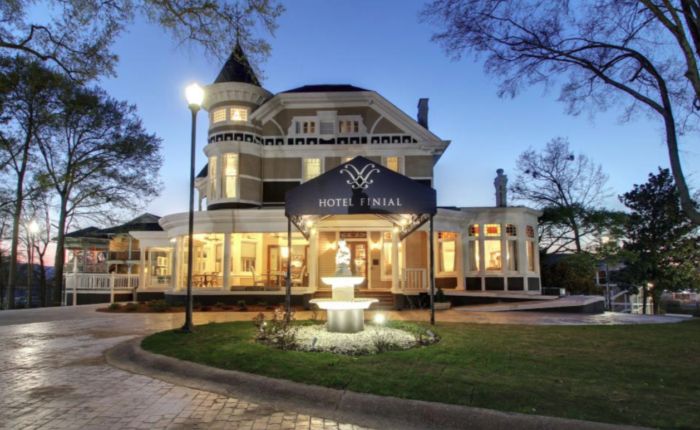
{"x": 447, "y": 251}
{"x": 212, "y": 194}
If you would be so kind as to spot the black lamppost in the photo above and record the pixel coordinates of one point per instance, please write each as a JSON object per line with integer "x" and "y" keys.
{"x": 195, "y": 96}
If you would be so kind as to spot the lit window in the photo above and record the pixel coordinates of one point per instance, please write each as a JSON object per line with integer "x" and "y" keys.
{"x": 447, "y": 246}
{"x": 512, "y": 255}
{"x": 230, "y": 176}
{"x": 212, "y": 178}
{"x": 248, "y": 253}
{"x": 386, "y": 254}
{"x": 530, "y": 255}
{"x": 511, "y": 230}
{"x": 309, "y": 127}
{"x": 530, "y": 231}
{"x": 327, "y": 127}
{"x": 492, "y": 254}
{"x": 492, "y": 229}
{"x": 312, "y": 168}
{"x": 392, "y": 163}
{"x": 347, "y": 127}
{"x": 218, "y": 115}
{"x": 474, "y": 230}
{"x": 239, "y": 114}
{"x": 474, "y": 260}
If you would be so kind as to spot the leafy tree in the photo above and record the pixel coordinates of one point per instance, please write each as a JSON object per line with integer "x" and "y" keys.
{"x": 662, "y": 236}
{"x": 97, "y": 158}
{"x": 569, "y": 188}
{"x": 76, "y": 35}
{"x": 603, "y": 53}
{"x": 575, "y": 272}
{"x": 28, "y": 94}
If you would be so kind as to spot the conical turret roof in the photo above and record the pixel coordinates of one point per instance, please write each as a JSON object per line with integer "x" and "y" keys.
{"x": 237, "y": 69}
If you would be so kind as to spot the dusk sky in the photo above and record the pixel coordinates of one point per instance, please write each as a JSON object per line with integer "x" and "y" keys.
{"x": 383, "y": 46}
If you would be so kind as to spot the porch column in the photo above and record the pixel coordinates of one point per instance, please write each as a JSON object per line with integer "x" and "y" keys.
{"x": 395, "y": 274}
{"x": 143, "y": 270}
{"x": 463, "y": 260}
{"x": 522, "y": 254}
{"x": 312, "y": 262}
{"x": 227, "y": 262}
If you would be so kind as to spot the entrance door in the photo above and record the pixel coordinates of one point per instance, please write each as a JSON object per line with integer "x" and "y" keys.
{"x": 358, "y": 260}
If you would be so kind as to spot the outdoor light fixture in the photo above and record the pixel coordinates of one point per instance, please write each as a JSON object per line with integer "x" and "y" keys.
{"x": 195, "y": 95}
{"x": 379, "y": 319}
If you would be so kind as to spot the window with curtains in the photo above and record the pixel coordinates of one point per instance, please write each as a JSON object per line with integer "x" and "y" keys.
{"x": 230, "y": 178}
{"x": 213, "y": 192}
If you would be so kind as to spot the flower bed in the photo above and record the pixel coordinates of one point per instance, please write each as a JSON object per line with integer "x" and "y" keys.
{"x": 372, "y": 340}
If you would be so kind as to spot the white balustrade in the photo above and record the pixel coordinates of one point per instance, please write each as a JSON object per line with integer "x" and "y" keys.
{"x": 414, "y": 279}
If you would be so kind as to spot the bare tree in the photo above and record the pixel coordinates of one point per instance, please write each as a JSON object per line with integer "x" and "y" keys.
{"x": 97, "y": 158}
{"x": 27, "y": 96}
{"x": 640, "y": 52}
{"x": 77, "y": 35}
{"x": 569, "y": 187}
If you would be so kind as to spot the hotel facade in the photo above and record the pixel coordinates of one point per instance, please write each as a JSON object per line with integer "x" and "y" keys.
{"x": 261, "y": 146}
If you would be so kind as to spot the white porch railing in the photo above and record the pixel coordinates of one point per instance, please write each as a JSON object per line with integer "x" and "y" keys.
{"x": 103, "y": 282}
{"x": 414, "y": 279}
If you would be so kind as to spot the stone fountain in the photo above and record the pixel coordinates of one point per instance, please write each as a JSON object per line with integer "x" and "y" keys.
{"x": 346, "y": 314}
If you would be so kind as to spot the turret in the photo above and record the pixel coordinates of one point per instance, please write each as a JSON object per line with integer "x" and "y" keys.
{"x": 233, "y": 150}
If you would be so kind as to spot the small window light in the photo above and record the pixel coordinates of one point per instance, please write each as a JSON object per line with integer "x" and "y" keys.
{"x": 239, "y": 114}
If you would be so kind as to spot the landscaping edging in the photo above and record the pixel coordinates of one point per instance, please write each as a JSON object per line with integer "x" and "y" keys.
{"x": 367, "y": 410}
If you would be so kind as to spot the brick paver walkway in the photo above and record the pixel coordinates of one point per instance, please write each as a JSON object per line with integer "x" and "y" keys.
{"x": 53, "y": 376}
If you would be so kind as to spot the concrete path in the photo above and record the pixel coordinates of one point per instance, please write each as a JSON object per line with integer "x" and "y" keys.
{"x": 53, "y": 374}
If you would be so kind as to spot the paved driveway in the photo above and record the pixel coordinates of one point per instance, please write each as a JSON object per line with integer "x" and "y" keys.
{"x": 53, "y": 376}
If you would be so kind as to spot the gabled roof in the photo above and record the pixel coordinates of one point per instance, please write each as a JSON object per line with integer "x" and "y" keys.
{"x": 143, "y": 222}
{"x": 92, "y": 232}
{"x": 237, "y": 69}
{"x": 325, "y": 88}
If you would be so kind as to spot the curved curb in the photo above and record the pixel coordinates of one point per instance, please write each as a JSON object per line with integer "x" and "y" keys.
{"x": 367, "y": 410}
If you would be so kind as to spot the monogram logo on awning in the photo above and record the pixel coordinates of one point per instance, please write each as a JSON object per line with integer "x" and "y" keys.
{"x": 359, "y": 178}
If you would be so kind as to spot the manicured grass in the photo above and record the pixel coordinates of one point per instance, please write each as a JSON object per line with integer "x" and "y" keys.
{"x": 645, "y": 374}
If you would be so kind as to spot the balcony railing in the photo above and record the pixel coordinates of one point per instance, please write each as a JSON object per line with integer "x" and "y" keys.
{"x": 99, "y": 282}
{"x": 414, "y": 279}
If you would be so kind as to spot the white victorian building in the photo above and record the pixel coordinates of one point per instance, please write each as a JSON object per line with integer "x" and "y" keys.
{"x": 261, "y": 145}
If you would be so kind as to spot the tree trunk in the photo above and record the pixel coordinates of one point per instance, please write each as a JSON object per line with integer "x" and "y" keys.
{"x": 60, "y": 253}
{"x": 19, "y": 200}
{"x": 42, "y": 280}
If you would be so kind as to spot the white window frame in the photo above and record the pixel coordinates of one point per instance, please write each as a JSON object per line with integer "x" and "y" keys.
{"x": 303, "y": 167}
{"x": 292, "y": 131}
{"x": 217, "y": 110}
{"x": 224, "y": 176}
{"x": 401, "y": 160}
{"x": 361, "y": 128}
{"x": 244, "y": 109}
{"x": 438, "y": 241}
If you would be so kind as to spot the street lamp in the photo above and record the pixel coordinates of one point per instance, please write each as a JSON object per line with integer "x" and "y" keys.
{"x": 195, "y": 95}
{"x": 32, "y": 229}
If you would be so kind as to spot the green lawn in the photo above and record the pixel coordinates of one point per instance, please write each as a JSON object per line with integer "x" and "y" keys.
{"x": 645, "y": 374}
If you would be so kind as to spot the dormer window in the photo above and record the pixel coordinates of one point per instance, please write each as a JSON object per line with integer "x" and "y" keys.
{"x": 349, "y": 127}
{"x": 218, "y": 115}
{"x": 309, "y": 127}
{"x": 239, "y": 114}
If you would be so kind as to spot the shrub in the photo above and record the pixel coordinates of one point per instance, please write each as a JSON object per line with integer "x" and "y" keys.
{"x": 158, "y": 305}
{"x": 114, "y": 307}
{"x": 278, "y": 331}
{"x": 241, "y": 305}
{"x": 205, "y": 308}
{"x": 131, "y": 307}
{"x": 440, "y": 296}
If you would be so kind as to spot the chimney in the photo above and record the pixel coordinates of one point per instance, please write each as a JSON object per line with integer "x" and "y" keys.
{"x": 423, "y": 112}
{"x": 501, "y": 183}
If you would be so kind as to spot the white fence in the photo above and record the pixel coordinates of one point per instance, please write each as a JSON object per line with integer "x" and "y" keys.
{"x": 99, "y": 282}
